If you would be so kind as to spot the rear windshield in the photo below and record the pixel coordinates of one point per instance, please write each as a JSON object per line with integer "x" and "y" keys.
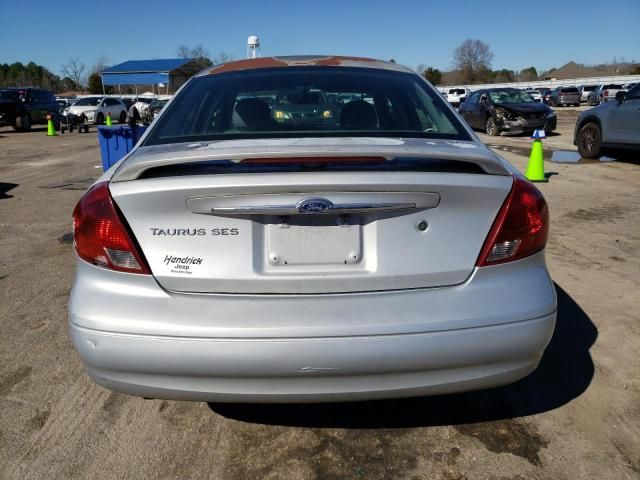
{"x": 306, "y": 102}
{"x": 457, "y": 91}
{"x": 612, "y": 87}
{"x": 569, "y": 90}
{"x": 589, "y": 88}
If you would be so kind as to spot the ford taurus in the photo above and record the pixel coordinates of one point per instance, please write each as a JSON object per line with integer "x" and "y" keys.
{"x": 380, "y": 250}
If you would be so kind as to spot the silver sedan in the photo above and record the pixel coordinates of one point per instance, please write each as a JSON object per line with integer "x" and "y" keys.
{"x": 298, "y": 229}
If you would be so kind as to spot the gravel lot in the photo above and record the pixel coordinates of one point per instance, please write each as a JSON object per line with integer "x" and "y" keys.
{"x": 577, "y": 416}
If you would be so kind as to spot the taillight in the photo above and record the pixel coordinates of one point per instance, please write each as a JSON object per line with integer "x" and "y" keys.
{"x": 606, "y": 93}
{"x": 100, "y": 235}
{"x": 521, "y": 227}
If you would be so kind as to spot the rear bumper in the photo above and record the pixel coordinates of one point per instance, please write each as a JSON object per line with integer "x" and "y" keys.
{"x": 305, "y": 370}
{"x": 562, "y": 99}
{"x": 136, "y": 338}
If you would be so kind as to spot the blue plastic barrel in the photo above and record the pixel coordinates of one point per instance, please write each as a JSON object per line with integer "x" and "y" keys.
{"x": 116, "y": 142}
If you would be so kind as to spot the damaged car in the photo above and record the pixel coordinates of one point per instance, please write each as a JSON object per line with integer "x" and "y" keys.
{"x": 502, "y": 111}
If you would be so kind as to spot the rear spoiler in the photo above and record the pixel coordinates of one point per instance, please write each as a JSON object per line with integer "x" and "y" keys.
{"x": 146, "y": 158}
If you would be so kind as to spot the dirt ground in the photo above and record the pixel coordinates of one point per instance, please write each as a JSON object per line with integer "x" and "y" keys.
{"x": 577, "y": 416}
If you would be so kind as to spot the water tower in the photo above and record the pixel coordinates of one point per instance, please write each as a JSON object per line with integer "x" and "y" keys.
{"x": 253, "y": 46}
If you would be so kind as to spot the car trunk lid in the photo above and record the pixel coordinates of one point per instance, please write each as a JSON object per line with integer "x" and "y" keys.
{"x": 311, "y": 232}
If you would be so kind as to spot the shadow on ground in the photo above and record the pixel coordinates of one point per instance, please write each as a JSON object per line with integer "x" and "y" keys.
{"x": 564, "y": 373}
{"x": 625, "y": 157}
{"x": 4, "y": 188}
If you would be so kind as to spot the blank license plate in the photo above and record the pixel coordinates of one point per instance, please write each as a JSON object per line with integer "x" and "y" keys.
{"x": 313, "y": 245}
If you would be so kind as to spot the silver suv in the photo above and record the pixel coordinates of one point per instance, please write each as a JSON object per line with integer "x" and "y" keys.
{"x": 613, "y": 126}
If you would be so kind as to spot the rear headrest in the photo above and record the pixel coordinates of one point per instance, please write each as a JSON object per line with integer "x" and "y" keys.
{"x": 358, "y": 115}
{"x": 255, "y": 113}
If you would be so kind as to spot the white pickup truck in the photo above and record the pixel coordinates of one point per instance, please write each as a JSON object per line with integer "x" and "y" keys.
{"x": 455, "y": 96}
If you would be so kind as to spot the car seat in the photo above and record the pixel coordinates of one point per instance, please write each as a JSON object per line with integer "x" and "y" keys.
{"x": 358, "y": 115}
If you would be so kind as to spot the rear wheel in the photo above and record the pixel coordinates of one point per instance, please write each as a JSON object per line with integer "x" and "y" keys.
{"x": 490, "y": 127}
{"x": 123, "y": 117}
{"x": 589, "y": 141}
{"x": 23, "y": 123}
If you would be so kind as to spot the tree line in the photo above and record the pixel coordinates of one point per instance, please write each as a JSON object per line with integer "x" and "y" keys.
{"x": 77, "y": 77}
{"x": 472, "y": 65}
{"x": 30, "y": 75}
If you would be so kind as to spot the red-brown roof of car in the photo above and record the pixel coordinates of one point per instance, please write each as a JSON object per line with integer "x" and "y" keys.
{"x": 303, "y": 61}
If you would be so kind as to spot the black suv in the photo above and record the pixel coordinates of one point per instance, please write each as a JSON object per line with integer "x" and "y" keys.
{"x": 23, "y": 107}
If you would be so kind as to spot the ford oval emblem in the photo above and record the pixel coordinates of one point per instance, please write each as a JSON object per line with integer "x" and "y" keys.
{"x": 314, "y": 205}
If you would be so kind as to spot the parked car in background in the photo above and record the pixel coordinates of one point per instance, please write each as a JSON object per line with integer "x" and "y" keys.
{"x": 612, "y": 127}
{"x": 21, "y": 108}
{"x": 128, "y": 102}
{"x": 65, "y": 102}
{"x": 629, "y": 86}
{"x": 535, "y": 94}
{"x": 546, "y": 95}
{"x": 585, "y": 90}
{"x": 95, "y": 109}
{"x": 455, "y": 96}
{"x": 506, "y": 111}
{"x": 385, "y": 252}
{"x": 603, "y": 93}
{"x": 138, "y": 106}
{"x": 152, "y": 111}
{"x": 561, "y": 96}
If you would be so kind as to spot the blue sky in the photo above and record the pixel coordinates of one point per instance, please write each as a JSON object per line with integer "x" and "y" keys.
{"x": 541, "y": 33}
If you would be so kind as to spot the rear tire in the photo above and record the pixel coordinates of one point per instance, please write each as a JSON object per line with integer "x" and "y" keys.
{"x": 589, "y": 141}
{"x": 23, "y": 123}
{"x": 123, "y": 117}
{"x": 490, "y": 127}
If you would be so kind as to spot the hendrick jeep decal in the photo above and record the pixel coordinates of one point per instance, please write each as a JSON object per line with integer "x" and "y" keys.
{"x": 182, "y": 264}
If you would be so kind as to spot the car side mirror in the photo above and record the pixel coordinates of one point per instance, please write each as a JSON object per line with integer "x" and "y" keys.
{"x": 620, "y": 96}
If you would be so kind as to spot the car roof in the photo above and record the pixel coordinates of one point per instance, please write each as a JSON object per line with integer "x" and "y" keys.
{"x": 303, "y": 61}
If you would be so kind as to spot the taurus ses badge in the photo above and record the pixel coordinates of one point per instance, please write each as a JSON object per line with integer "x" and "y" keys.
{"x": 314, "y": 205}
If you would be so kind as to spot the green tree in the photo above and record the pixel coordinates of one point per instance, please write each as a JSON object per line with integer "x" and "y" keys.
{"x": 433, "y": 75}
{"x": 200, "y": 54}
{"x": 528, "y": 74}
{"x": 30, "y": 75}
{"x": 68, "y": 85}
{"x": 94, "y": 83}
{"x": 503, "y": 76}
